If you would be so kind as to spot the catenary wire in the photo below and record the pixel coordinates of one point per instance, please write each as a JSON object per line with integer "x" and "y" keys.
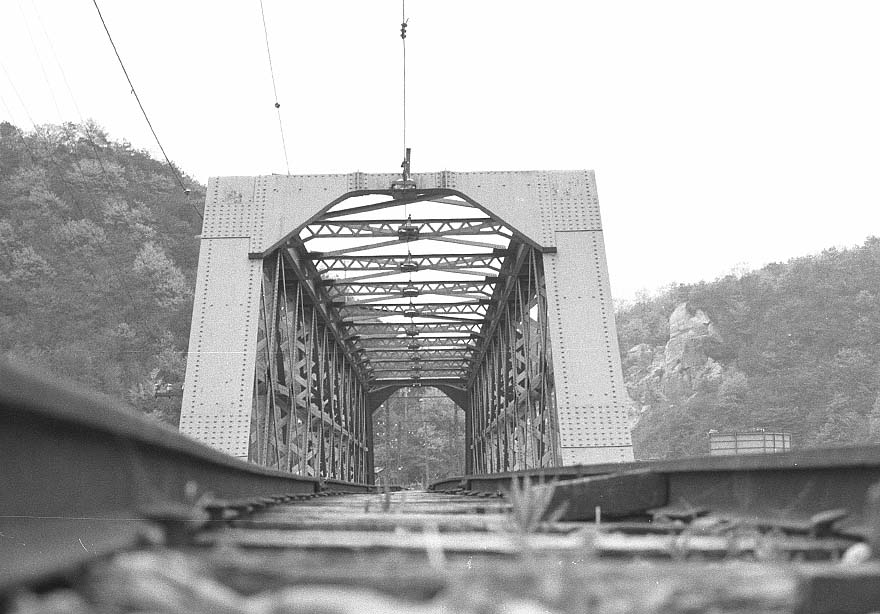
{"x": 403, "y": 25}
{"x": 274, "y": 88}
{"x": 60, "y": 173}
{"x": 52, "y": 90}
{"x": 40, "y": 61}
{"x": 137, "y": 98}
{"x": 87, "y": 130}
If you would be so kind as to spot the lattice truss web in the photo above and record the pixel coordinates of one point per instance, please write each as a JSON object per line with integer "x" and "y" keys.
{"x": 378, "y": 292}
{"x": 412, "y": 280}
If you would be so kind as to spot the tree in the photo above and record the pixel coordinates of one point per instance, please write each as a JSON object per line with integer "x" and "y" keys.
{"x": 97, "y": 261}
{"x": 804, "y": 337}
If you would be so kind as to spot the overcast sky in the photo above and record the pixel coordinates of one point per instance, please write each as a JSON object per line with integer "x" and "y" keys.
{"x": 721, "y": 133}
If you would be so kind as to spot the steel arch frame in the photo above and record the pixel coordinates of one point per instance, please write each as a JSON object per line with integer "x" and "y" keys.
{"x": 323, "y": 304}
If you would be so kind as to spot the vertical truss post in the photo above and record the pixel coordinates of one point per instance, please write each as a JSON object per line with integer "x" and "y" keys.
{"x": 300, "y": 316}
{"x": 511, "y": 423}
{"x": 308, "y": 408}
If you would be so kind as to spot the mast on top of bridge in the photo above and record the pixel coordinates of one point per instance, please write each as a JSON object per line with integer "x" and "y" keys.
{"x": 318, "y": 296}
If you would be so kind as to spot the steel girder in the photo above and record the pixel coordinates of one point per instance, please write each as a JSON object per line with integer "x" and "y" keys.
{"x": 399, "y": 320}
{"x": 332, "y": 291}
{"x": 512, "y": 423}
{"x": 310, "y": 413}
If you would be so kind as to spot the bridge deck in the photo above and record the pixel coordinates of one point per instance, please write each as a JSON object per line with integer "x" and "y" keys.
{"x": 424, "y": 552}
{"x": 105, "y": 512}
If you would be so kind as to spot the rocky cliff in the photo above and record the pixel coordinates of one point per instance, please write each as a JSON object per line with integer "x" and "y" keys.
{"x": 671, "y": 373}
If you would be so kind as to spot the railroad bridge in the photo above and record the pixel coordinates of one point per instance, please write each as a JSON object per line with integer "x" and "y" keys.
{"x": 319, "y": 296}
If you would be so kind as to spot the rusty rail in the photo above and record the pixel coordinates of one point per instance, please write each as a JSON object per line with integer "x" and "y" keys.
{"x": 82, "y": 477}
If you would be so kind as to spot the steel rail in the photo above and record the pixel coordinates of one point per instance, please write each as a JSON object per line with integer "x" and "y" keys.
{"x": 83, "y": 476}
{"x": 794, "y": 486}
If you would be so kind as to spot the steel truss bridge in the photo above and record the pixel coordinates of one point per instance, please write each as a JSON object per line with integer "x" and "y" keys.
{"x": 319, "y": 296}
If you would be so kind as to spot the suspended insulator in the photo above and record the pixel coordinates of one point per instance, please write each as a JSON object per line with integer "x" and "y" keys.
{"x": 416, "y": 358}
{"x": 411, "y": 313}
{"x": 414, "y": 346}
{"x": 408, "y": 231}
{"x": 412, "y": 331}
{"x": 410, "y": 291}
{"x": 409, "y": 265}
{"x": 416, "y": 378}
{"x": 416, "y": 368}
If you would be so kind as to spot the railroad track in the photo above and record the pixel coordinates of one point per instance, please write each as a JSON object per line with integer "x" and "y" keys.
{"x": 103, "y": 511}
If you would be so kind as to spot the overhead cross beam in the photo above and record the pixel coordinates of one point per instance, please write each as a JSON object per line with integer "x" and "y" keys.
{"x": 356, "y": 285}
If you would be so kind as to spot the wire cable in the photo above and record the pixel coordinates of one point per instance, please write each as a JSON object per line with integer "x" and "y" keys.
{"x": 51, "y": 89}
{"x": 87, "y": 131}
{"x": 274, "y": 89}
{"x": 185, "y": 189}
{"x": 50, "y": 159}
{"x": 403, "y": 24}
{"x": 40, "y": 62}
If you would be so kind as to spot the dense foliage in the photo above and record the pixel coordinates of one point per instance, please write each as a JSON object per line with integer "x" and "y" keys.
{"x": 97, "y": 262}
{"x": 97, "y": 265}
{"x": 800, "y": 353}
{"x": 418, "y": 437}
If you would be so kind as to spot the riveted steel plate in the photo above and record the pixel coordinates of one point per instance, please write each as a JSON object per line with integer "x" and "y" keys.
{"x": 219, "y": 384}
{"x": 591, "y": 397}
{"x": 229, "y": 207}
{"x": 596, "y": 455}
{"x": 511, "y": 196}
{"x": 247, "y": 215}
{"x": 287, "y": 201}
{"x": 568, "y": 201}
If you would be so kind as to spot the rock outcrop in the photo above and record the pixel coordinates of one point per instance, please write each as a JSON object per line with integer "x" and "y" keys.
{"x": 692, "y": 335}
{"x": 671, "y": 373}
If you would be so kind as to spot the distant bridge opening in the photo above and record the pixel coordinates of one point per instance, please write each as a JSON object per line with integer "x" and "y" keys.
{"x": 418, "y": 437}
{"x": 490, "y": 287}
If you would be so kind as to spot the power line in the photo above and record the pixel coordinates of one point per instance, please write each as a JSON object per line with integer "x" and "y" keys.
{"x": 274, "y": 89}
{"x": 74, "y": 160}
{"x": 87, "y": 131}
{"x": 17, "y": 95}
{"x": 60, "y": 173}
{"x": 403, "y": 24}
{"x": 57, "y": 61}
{"x": 185, "y": 189}
{"x": 86, "y": 128}
{"x": 40, "y": 62}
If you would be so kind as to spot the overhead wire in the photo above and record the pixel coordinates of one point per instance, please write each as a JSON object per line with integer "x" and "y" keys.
{"x": 60, "y": 173}
{"x": 57, "y": 61}
{"x": 87, "y": 131}
{"x": 185, "y": 189}
{"x": 403, "y": 25}
{"x": 274, "y": 88}
{"x": 20, "y": 135}
{"x": 404, "y": 22}
{"x": 17, "y": 95}
{"x": 39, "y": 60}
{"x": 39, "y": 57}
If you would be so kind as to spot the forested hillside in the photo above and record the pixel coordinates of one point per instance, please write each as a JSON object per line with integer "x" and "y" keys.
{"x": 97, "y": 262}
{"x": 419, "y": 437}
{"x": 793, "y": 347}
{"x": 98, "y": 253}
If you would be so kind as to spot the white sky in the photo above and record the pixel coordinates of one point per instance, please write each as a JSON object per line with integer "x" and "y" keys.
{"x": 721, "y": 133}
